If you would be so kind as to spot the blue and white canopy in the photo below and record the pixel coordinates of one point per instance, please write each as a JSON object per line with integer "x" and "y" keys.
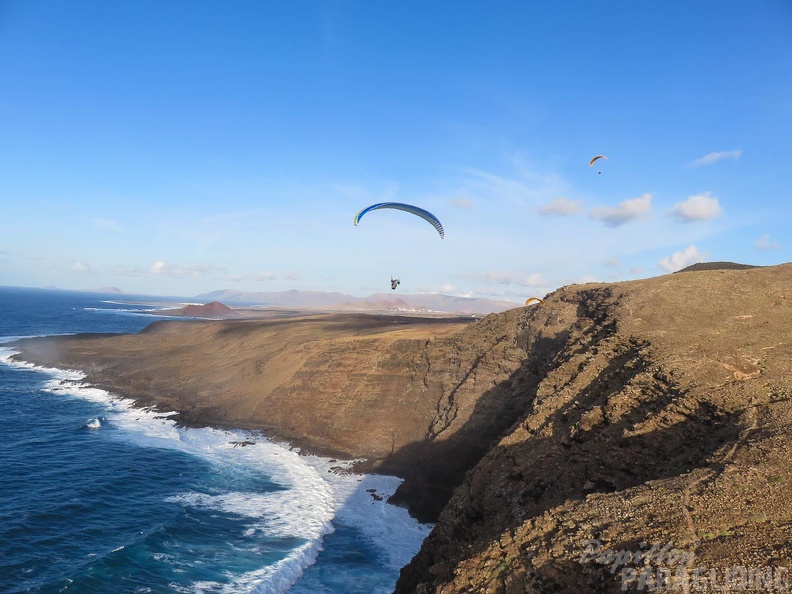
{"x": 424, "y": 214}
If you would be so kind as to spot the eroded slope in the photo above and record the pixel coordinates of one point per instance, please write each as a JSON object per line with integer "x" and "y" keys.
{"x": 663, "y": 418}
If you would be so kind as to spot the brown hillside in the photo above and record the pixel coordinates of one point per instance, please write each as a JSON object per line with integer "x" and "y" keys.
{"x": 662, "y": 418}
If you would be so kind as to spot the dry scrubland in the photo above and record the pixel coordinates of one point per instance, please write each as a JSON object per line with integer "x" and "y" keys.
{"x": 630, "y": 414}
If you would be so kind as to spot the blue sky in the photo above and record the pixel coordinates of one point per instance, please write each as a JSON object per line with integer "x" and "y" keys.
{"x": 185, "y": 146}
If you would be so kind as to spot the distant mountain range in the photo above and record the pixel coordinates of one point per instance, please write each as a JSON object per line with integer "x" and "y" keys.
{"x": 377, "y": 302}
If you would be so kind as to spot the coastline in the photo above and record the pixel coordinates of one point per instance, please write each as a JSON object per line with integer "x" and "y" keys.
{"x": 361, "y": 387}
{"x": 340, "y": 491}
{"x": 184, "y": 419}
{"x": 152, "y": 367}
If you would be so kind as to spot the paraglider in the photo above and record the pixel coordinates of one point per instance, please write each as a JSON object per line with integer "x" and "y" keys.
{"x": 531, "y": 300}
{"x": 424, "y": 214}
{"x": 395, "y": 282}
{"x": 591, "y": 163}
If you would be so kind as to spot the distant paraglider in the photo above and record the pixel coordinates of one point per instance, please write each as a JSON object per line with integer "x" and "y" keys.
{"x": 395, "y": 282}
{"x": 594, "y": 159}
{"x": 533, "y": 300}
{"x": 424, "y": 214}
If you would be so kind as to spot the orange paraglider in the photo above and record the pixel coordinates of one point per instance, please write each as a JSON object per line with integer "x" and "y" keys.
{"x": 591, "y": 163}
{"x": 534, "y": 299}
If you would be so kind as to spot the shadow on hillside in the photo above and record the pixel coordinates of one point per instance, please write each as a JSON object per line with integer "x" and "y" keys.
{"x": 590, "y": 444}
{"x": 434, "y": 467}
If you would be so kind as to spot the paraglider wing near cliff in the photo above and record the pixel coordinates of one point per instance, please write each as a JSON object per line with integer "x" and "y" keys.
{"x": 533, "y": 300}
{"x": 595, "y": 159}
{"x": 424, "y": 214}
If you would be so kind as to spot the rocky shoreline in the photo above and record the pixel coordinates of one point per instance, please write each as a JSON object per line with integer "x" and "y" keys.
{"x": 343, "y": 385}
{"x": 652, "y": 411}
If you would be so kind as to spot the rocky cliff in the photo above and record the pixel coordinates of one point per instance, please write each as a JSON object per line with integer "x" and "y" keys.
{"x": 611, "y": 418}
{"x": 654, "y": 450}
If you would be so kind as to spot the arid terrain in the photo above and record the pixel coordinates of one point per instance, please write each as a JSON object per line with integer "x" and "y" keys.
{"x": 550, "y": 443}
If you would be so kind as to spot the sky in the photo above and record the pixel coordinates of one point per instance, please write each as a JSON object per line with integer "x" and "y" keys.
{"x": 180, "y": 147}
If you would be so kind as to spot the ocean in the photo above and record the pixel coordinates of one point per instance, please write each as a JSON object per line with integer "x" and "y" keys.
{"x": 99, "y": 496}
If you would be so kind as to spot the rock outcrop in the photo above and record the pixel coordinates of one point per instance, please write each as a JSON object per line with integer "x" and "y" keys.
{"x": 213, "y": 310}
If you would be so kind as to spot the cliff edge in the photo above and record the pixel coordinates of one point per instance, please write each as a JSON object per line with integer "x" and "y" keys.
{"x": 654, "y": 452}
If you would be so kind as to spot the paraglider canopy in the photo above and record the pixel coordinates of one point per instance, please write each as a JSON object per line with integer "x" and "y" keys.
{"x": 591, "y": 163}
{"x": 532, "y": 300}
{"x": 424, "y": 214}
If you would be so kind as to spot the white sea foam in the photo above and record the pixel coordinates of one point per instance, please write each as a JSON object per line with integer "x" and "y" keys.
{"x": 315, "y": 490}
{"x": 93, "y": 424}
{"x": 148, "y": 312}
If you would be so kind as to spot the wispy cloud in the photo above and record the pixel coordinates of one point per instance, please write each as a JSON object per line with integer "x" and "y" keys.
{"x": 612, "y": 263}
{"x": 107, "y": 225}
{"x": 700, "y": 207}
{"x": 21, "y": 255}
{"x": 80, "y": 266}
{"x": 716, "y": 156}
{"x": 463, "y": 203}
{"x": 125, "y": 270}
{"x": 679, "y": 260}
{"x": 561, "y": 206}
{"x": 260, "y": 276}
{"x": 527, "y": 187}
{"x": 160, "y": 268}
{"x": 624, "y": 212}
{"x": 765, "y": 244}
{"x": 511, "y": 278}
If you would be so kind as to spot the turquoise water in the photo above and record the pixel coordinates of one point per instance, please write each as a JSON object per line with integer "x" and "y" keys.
{"x": 98, "y": 496}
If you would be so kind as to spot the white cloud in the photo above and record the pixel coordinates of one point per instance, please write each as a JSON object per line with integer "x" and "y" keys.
{"x": 263, "y": 276}
{"x": 292, "y": 275}
{"x": 561, "y": 206}
{"x": 625, "y": 211}
{"x": 463, "y": 203}
{"x": 162, "y": 269}
{"x": 700, "y": 207}
{"x": 612, "y": 263}
{"x": 716, "y": 156}
{"x": 679, "y": 260}
{"x": 765, "y": 244}
{"x": 588, "y": 278}
{"x": 81, "y": 266}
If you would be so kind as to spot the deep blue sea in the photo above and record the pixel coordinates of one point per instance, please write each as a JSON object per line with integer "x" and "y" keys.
{"x": 99, "y": 496}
